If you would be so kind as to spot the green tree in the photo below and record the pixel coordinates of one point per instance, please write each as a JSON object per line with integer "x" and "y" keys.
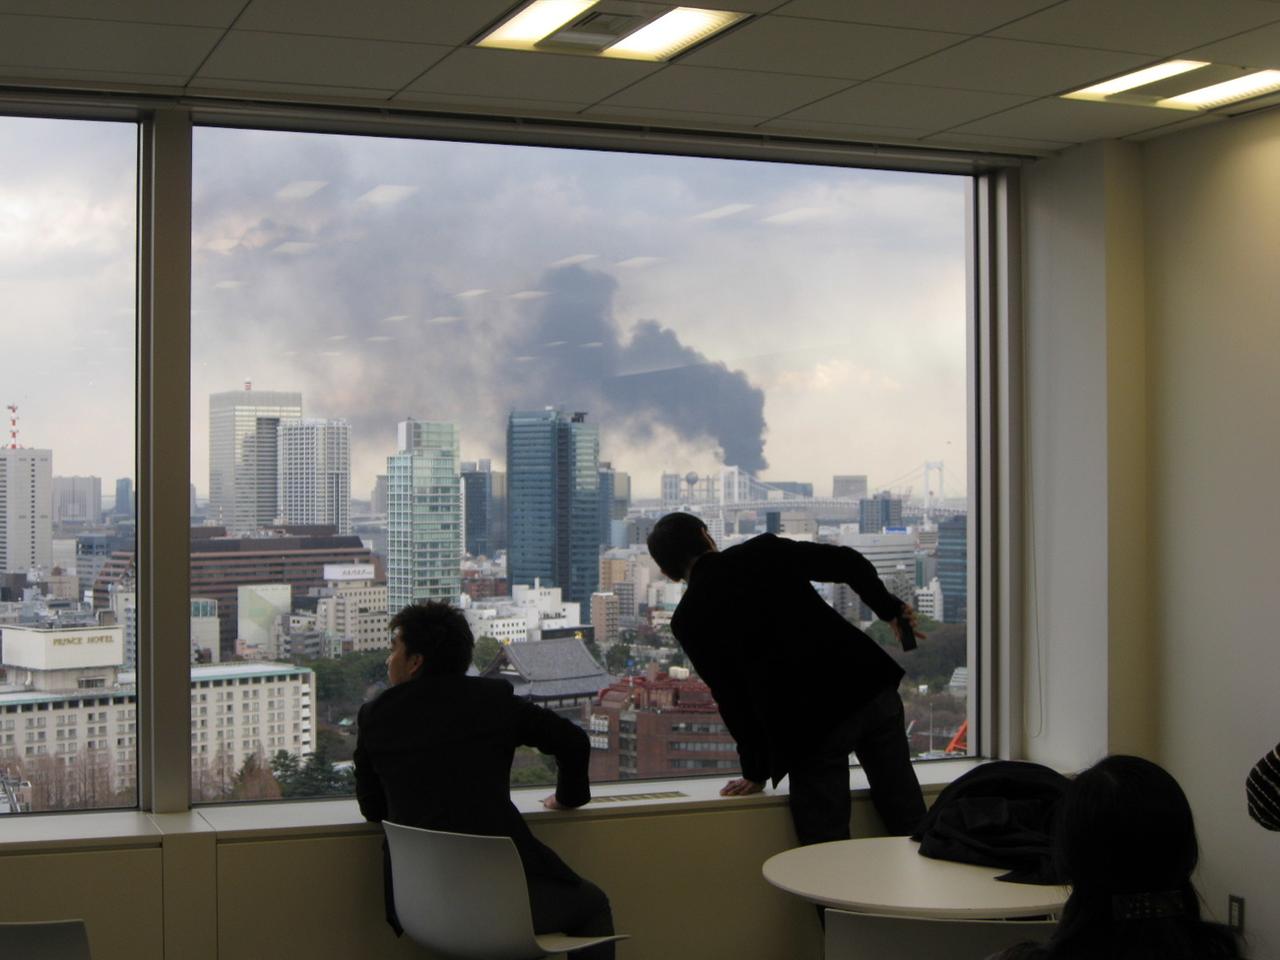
{"x": 615, "y": 660}
{"x": 286, "y": 766}
{"x": 485, "y": 652}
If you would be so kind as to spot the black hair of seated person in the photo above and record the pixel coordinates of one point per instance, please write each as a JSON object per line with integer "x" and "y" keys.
{"x": 1125, "y": 829}
{"x": 440, "y": 633}
{"x": 676, "y": 541}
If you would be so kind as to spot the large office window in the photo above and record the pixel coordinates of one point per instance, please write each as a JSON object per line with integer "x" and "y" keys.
{"x": 68, "y": 625}
{"x": 479, "y": 373}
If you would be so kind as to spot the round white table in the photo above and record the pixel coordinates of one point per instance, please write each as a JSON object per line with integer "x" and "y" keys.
{"x": 887, "y": 876}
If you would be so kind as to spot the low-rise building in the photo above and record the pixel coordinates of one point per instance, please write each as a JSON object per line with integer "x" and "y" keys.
{"x": 659, "y": 725}
{"x": 68, "y": 716}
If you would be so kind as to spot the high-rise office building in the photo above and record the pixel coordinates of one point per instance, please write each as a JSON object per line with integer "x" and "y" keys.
{"x": 77, "y": 499}
{"x": 849, "y": 486}
{"x": 615, "y": 499}
{"x": 378, "y": 498}
{"x": 553, "y": 501}
{"x": 244, "y": 427}
{"x": 477, "y": 486}
{"x": 424, "y": 515}
{"x": 26, "y": 508}
{"x": 879, "y": 513}
{"x": 314, "y": 473}
{"x": 953, "y": 568}
{"x": 124, "y": 498}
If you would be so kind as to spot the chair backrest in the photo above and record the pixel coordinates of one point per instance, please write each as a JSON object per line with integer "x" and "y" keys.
{"x": 48, "y": 940}
{"x": 462, "y": 895}
{"x": 854, "y": 936}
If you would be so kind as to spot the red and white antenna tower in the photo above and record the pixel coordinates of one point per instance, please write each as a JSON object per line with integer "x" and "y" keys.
{"x": 13, "y": 426}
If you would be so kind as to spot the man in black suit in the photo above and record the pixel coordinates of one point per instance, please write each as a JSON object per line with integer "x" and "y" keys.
{"x": 434, "y": 750}
{"x": 799, "y": 687}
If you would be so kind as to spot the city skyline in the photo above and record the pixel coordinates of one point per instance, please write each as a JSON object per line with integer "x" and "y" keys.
{"x": 389, "y": 278}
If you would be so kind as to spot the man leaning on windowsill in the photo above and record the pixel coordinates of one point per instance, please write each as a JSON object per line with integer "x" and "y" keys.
{"x": 435, "y": 749}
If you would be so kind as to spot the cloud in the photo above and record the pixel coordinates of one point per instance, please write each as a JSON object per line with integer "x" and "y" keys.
{"x": 388, "y": 194}
{"x": 301, "y": 189}
{"x": 294, "y": 247}
{"x": 797, "y": 215}
{"x": 638, "y": 263}
{"x": 719, "y": 213}
{"x": 575, "y": 260}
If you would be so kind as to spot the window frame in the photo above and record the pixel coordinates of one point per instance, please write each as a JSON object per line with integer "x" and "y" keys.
{"x": 163, "y": 364}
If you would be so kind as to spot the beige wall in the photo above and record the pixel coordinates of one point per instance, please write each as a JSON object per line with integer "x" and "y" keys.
{"x": 1213, "y": 290}
{"x": 117, "y": 892}
{"x": 1153, "y": 386}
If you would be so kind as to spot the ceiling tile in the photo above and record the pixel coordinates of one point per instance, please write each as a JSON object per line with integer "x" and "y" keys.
{"x": 1155, "y": 27}
{"x": 1257, "y": 48}
{"x": 103, "y": 45}
{"x": 1071, "y": 120}
{"x": 290, "y": 58}
{"x": 903, "y": 105}
{"x": 193, "y": 13}
{"x": 1015, "y": 66}
{"x": 415, "y": 21}
{"x": 817, "y": 48}
{"x": 974, "y": 141}
{"x": 501, "y": 106}
{"x": 531, "y": 76}
{"x": 741, "y": 92}
{"x": 304, "y": 92}
{"x": 69, "y": 77}
{"x": 862, "y": 133}
{"x": 673, "y": 119}
{"x": 753, "y": 6}
{"x": 947, "y": 15}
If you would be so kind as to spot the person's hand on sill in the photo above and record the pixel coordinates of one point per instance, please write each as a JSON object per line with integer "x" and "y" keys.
{"x": 741, "y": 788}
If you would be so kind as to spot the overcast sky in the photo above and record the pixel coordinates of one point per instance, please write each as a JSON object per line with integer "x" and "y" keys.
{"x": 800, "y": 321}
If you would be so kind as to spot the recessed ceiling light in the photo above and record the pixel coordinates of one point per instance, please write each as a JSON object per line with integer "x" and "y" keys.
{"x": 1231, "y": 91}
{"x": 1139, "y": 78}
{"x": 603, "y": 28}
{"x": 534, "y": 22}
{"x": 671, "y": 33}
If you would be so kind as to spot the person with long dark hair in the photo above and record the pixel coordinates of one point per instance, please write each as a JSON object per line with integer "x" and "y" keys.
{"x": 1126, "y": 842}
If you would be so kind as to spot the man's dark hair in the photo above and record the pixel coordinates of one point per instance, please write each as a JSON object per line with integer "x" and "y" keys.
{"x": 440, "y": 633}
{"x": 675, "y": 541}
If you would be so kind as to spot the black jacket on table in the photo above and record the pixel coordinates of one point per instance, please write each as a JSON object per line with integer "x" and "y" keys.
{"x": 784, "y": 667}
{"x": 435, "y": 752}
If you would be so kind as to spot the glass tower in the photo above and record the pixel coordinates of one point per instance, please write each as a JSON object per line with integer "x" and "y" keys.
{"x": 953, "y": 568}
{"x": 424, "y": 515}
{"x": 553, "y": 501}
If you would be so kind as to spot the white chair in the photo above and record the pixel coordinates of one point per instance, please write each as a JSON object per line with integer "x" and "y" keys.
{"x": 48, "y": 940}
{"x": 465, "y": 896}
{"x": 864, "y": 936}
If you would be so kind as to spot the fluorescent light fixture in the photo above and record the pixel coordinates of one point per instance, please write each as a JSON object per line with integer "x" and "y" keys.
{"x": 1139, "y": 78}
{"x": 1220, "y": 94}
{"x": 536, "y": 21}
{"x": 672, "y": 32}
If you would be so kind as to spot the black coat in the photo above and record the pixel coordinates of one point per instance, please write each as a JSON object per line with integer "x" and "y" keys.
{"x": 784, "y": 667}
{"x": 435, "y": 752}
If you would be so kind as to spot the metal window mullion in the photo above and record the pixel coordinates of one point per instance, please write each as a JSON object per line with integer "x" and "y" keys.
{"x": 996, "y": 545}
{"x": 164, "y": 458}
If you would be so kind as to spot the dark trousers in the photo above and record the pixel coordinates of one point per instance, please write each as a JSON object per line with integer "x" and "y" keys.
{"x": 577, "y": 908}
{"x": 820, "y": 801}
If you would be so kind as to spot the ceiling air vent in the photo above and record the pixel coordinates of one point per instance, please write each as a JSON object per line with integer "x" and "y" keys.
{"x": 595, "y": 30}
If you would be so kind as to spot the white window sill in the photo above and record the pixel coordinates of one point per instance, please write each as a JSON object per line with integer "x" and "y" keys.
{"x": 341, "y": 817}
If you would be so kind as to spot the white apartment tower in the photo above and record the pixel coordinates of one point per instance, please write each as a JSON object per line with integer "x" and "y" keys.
{"x": 77, "y": 499}
{"x": 314, "y": 473}
{"x": 244, "y": 428}
{"x": 26, "y": 508}
{"x": 424, "y": 515}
